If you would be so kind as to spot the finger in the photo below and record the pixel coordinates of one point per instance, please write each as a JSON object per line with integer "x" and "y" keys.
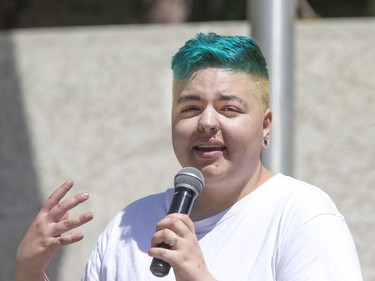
{"x": 70, "y": 239}
{"x": 69, "y": 224}
{"x": 65, "y": 216}
{"x": 171, "y": 253}
{"x": 185, "y": 219}
{"x": 162, "y": 253}
{"x": 165, "y": 236}
{"x": 57, "y": 195}
{"x": 178, "y": 223}
{"x": 161, "y": 247}
{"x": 60, "y": 210}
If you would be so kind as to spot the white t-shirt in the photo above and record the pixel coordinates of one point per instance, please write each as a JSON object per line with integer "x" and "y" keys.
{"x": 285, "y": 230}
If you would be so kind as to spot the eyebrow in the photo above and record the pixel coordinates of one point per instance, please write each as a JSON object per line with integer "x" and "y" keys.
{"x": 232, "y": 98}
{"x": 187, "y": 98}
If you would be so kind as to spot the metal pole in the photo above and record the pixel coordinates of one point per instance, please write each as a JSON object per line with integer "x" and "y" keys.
{"x": 272, "y": 27}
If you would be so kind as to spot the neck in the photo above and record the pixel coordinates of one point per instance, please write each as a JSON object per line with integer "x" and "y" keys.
{"x": 218, "y": 197}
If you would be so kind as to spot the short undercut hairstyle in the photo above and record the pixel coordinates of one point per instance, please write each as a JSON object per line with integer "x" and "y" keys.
{"x": 233, "y": 53}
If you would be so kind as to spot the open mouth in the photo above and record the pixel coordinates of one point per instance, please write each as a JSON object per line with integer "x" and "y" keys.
{"x": 209, "y": 148}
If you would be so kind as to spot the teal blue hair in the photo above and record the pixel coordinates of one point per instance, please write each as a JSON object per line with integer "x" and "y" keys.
{"x": 236, "y": 53}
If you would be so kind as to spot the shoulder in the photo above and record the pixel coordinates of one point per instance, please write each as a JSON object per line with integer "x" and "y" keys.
{"x": 145, "y": 211}
{"x": 154, "y": 205}
{"x": 315, "y": 242}
{"x": 303, "y": 201}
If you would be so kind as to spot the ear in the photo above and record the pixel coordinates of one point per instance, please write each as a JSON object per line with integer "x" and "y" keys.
{"x": 267, "y": 120}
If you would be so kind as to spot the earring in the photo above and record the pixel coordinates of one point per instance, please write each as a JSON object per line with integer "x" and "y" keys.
{"x": 266, "y": 141}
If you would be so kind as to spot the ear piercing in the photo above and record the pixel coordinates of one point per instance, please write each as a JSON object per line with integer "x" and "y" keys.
{"x": 266, "y": 141}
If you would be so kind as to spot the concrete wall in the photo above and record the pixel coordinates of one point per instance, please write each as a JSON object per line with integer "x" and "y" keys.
{"x": 93, "y": 104}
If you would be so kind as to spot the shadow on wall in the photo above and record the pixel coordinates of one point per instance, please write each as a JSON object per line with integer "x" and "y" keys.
{"x": 19, "y": 195}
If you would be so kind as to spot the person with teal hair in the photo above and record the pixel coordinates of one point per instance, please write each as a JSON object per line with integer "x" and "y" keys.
{"x": 248, "y": 223}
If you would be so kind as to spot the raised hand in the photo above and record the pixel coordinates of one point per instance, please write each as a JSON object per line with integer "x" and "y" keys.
{"x": 47, "y": 233}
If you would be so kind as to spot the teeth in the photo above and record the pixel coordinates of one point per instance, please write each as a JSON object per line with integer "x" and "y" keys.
{"x": 207, "y": 146}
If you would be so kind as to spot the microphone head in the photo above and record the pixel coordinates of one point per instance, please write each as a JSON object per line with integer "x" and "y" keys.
{"x": 190, "y": 177}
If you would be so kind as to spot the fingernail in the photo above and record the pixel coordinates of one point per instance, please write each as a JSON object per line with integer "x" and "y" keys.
{"x": 89, "y": 215}
{"x": 85, "y": 195}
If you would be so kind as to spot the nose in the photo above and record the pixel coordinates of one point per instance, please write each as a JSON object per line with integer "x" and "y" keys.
{"x": 208, "y": 121}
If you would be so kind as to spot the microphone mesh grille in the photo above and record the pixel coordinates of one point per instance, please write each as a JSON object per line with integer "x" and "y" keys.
{"x": 190, "y": 177}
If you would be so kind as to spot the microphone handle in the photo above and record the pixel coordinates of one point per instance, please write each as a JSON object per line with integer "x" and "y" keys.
{"x": 159, "y": 267}
{"x": 182, "y": 203}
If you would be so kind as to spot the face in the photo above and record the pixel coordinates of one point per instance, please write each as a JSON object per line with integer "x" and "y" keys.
{"x": 217, "y": 126}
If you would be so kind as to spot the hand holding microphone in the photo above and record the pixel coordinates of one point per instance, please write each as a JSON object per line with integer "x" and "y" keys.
{"x": 189, "y": 183}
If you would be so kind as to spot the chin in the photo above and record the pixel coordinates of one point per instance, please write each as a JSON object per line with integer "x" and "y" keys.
{"x": 212, "y": 172}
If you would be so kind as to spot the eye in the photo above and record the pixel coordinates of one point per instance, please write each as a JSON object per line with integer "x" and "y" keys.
{"x": 231, "y": 111}
{"x": 189, "y": 109}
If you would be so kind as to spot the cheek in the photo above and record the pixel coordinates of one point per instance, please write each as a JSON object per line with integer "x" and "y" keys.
{"x": 178, "y": 129}
{"x": 180, "y": 134}
{"x": 250, "y": 138}
{"x": 180, "y": 142}
{"x": 184, "y": 127}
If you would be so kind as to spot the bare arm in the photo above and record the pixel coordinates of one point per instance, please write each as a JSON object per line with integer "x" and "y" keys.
{"x": 45, "y": 235}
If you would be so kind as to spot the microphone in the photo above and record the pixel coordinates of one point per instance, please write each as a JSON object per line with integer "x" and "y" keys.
{"x": 188, "y": 183}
